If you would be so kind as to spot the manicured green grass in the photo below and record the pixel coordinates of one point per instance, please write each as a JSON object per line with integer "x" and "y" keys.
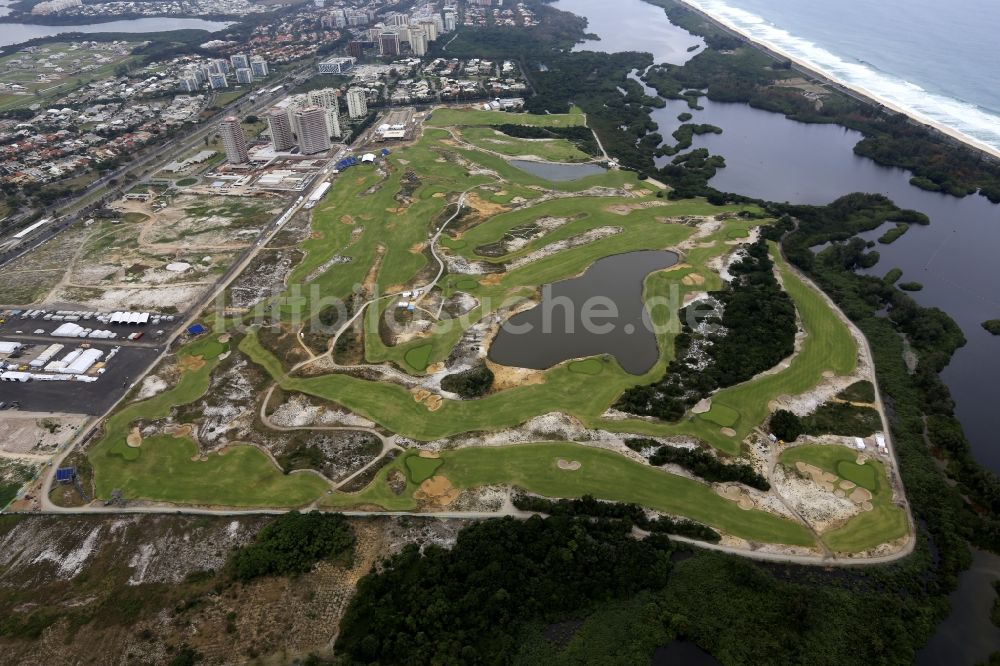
{"x": 419, "y": 469}
{"x": 587, "y": 366}
{"x": 417, "y": 357}
{"x": 603, "y": 474}
{"x": 163, "y": 468}
{"x": 721, "y": 415}
{"x": 885, "y": 522}
{"x": 457, "y": 117}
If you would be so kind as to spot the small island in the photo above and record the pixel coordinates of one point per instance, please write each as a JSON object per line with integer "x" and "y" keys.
{"x": 992, "y": 325}
{"x": 910, "y": 286}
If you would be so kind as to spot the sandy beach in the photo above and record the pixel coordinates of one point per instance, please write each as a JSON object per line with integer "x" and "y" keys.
{"x": 869, "y": 96}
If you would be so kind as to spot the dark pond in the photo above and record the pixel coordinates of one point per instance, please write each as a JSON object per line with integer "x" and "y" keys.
{"x": 557, "y": 171}
{"x": 599, "y": 312}
{"x": 682, "y": 653}
{"x": 967, "y": 636}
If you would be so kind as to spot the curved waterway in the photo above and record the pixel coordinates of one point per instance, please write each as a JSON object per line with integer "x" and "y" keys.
{"x": 774, "y": 158}
{"x": 599, "y": 312}
{"x": 16, "y": 33}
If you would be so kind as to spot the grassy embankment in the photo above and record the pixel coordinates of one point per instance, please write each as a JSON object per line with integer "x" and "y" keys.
{"x": 604, "y": 474}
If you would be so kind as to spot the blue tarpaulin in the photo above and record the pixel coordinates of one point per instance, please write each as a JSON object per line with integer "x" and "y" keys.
{"x": 195, "y": 329}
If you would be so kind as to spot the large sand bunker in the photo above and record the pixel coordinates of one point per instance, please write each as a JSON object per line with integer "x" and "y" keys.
{"x": 571, "y": 465}
{"x": 437, "y": 491}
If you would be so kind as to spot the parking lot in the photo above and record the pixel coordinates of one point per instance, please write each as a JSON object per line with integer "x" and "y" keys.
{"x": 21, "y": 328}
{"x": 73, "y": 397}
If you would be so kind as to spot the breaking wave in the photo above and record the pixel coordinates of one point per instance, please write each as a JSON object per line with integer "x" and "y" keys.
{"x": 972, "y": 121}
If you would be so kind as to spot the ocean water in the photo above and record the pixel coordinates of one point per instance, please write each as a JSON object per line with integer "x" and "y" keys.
{"x": 938, "y": 61}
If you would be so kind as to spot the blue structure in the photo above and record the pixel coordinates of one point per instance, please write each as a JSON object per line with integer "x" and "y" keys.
{"x": 195, "y": 329}
{"x": 386, "y": 151}
{"x": 65, "y": 474}
{"x": 347, "y": 162}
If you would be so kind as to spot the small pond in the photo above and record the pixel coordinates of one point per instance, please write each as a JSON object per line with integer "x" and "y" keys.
{"x": 558, "y": 171}
{"x": 599, "y": 312}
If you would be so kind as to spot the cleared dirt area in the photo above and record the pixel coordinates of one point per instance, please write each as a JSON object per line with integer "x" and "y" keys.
{"x": 36, "y": 433}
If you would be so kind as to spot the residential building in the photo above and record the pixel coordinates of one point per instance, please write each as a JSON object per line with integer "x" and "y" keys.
{"x": 357, "y": 104}
{"x": 259, "y": 68}
{"x": 314, "y": 137}
{"x": 235, "y": 140}
{"x": 418, "y": 41}
{"x": 388, "y": 44}
{"x": 244, "y": 75}
{"x": 218, "y": 81}
{"x": 281, "y": 129}
{"x": 328, "y": 100}
{"x": 240, "y": 61}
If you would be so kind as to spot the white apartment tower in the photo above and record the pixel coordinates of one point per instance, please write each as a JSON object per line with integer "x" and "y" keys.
{"x": 327, "y": 99}
{"x": 357, "y": 104}
{"x": 234, "y": 140}
{"x": 281, "y": 129}
{"x": 314, "y": 137}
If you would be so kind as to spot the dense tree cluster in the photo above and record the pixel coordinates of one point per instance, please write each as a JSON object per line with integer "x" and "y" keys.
{"x": 579, "y": 135}
{"x": 758, "y": 331}
{"x": 594, "y": 508}
{"x": 471, "y": 383}
{"x": 702, "y": 463}
{"x": 467, "y": 604}
{"x": 293, "y": 544}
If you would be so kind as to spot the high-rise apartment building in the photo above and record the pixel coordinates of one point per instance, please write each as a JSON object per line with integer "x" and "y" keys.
{"x": 314, "y": 137}
{"x": 357, "y": 104}
{"x": 281, "y": 129}
{"x": 235, "y": 141}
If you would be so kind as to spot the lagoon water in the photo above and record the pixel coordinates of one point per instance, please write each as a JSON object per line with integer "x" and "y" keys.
{"x": 771, "y": 157}
{"x": 955, "y": 258}
{"x": 555, "y": 331}
{"x": 15, "y": 33}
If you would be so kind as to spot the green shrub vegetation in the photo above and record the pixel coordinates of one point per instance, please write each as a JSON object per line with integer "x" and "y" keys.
{"x": 758, "y": 331}
{"x": 910, "y": 286}
{"x": 702, "y": 464}
{"x": 860, "y": 391}
{"x": 292, "y": 544}
{"x": 894, "y": 233}
{"x": 993, "y": 326}
{"x": 786, "y": 426}
{"x": 838, "y": 418}
{"x": 471, "y": 383}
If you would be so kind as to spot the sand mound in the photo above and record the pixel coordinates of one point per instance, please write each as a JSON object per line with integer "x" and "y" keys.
{"x": 571, "y": 465}
{"x": 505, "y": 376}
{"x": 134, "y": 438}
{"x": 702, "y": 406}
{"x": 860, "y": 496}
{"x": 191, "y": 363}
{"x": 738, "y": 495}
{"x": 437, "y": 491}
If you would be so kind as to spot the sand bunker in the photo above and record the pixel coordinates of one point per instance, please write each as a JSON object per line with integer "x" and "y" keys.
{"x": 738, "y": 495}
{"x": 860, "y": 496}
{"x": 429, "y": 454}
{"x": 702, "y": 406}
{"x": 431, "y": 400}
{"x": 824, "y": 479}
{"x": 437, "y": 491}
{"x": 571, "y": 465}
{"x": 728, "y": 432}
{"x": 346, "y": 219}
{"x": 134, "y": 438}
